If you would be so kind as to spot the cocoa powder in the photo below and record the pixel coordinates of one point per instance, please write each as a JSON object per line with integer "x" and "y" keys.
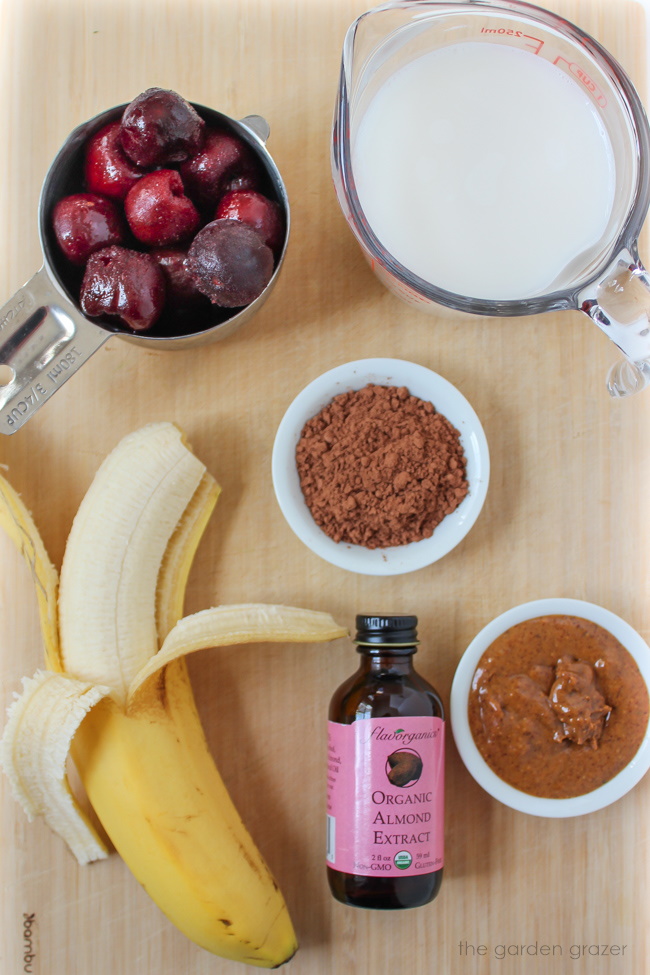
{"x": 379, "y": 467}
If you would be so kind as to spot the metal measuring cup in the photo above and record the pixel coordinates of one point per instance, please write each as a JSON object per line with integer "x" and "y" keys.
{"x": 44, "y": 335}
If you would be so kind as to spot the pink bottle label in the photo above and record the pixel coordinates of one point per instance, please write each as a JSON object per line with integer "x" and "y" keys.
{"x": 385, "y": 796}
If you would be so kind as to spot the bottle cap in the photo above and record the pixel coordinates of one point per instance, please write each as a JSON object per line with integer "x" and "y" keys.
{"x": 375, "y": 629}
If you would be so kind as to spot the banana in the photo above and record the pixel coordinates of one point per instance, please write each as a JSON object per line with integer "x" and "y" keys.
{"x": 116, "y": 693}
{"x": 107, "y": 592}
{"x": 19, "y": 526}
{"x": 34, "y": 751}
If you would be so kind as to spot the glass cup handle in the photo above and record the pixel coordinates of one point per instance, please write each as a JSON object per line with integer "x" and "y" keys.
{"x": 619, "y": 304}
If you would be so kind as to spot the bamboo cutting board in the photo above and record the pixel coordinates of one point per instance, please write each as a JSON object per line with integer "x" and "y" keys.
{"x": 566, "y": 514}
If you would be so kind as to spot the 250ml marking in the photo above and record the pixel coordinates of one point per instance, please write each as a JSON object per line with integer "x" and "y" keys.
{"x": 508, "y": 31}
{"x": 29, "y": 920}
{"x": 535, "y": 44}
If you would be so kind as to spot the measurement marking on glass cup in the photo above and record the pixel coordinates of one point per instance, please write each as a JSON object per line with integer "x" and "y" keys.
{"x": 583, "y": 78}
{"x": 536, "y": 46}
{"x": 508, "y": 31}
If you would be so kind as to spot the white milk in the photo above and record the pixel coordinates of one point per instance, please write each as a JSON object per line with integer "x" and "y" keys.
{"x": 485, "y": 170}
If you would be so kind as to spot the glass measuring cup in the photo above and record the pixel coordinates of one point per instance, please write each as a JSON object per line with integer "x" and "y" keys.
{"x": 608, "y": 283}
{"x": 45, "y": 336}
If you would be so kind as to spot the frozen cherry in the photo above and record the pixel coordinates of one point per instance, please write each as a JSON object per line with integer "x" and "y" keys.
{"x": 246, "y": 181}
{"x": 230, "y": 263}
{"x": 257, "y": 211}
{"x": 84, "y": 223}
{"x": 107, "y": 169}
{"x": 225, "y": 162}
{"x": 157, "y": 210}
{"x": 159, "y": 127}
{"x": 180, "y": 285}
{"x": 123, "y": 283}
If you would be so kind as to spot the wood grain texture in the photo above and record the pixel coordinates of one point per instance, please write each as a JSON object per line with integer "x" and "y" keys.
{"x": 566, "y": 514}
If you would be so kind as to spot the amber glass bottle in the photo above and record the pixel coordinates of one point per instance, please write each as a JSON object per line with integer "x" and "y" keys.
{"x": 385, "y": 774}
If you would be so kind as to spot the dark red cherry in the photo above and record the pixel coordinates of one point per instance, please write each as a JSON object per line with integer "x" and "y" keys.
{"x": 257, "y": 211}
{"x": 159, "y": 127}
{"x": 84, "y": 223}
{"x": 125, "y": 284}
{"x": 157, "y": 210}
{"x": 181, "y": 288}
{"x": 230, "y": 263}
{"x": 223, "y": 163}
{"x": 107, "y": 170}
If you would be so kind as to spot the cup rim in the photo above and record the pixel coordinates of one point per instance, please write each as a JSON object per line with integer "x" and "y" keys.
{"x": 625, "y": 242}
{"x": 423, "y": 383}
{"x": 474, "y": 762}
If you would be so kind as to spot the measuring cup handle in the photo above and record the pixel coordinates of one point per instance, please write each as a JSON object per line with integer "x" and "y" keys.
{"x": 627, "y": 285}
{"x": 258, "y": 126}
{"x": 43, "y": 341}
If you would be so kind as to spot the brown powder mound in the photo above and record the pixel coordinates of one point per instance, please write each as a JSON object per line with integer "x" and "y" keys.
{"x": 379, "y": 467}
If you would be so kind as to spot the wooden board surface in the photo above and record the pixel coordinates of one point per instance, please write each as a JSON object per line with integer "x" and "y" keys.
{"x": 566, "y": 514}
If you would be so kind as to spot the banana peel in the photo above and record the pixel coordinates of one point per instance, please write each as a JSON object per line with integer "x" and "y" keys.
{"x": 115, "y": 693}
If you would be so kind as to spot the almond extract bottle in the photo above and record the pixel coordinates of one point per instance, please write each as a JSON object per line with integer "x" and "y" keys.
{"x": 385, "y": 782}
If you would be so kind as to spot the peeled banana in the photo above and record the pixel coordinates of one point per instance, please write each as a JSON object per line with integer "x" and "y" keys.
{"x": 116, "y": 693}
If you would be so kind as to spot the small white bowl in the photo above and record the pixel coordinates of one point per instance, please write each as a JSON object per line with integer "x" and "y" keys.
{"x": 420, "y": 382}
{"x": 474, "y": 761}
